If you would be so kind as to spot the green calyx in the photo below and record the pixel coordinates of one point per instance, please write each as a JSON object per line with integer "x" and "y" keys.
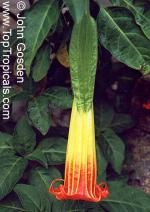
{"x": 83, "y": 55}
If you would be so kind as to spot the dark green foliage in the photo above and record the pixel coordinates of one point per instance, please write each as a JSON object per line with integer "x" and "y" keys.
{"x": 33, "y": 146}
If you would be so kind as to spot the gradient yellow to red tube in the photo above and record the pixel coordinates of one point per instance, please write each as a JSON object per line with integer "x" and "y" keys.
{"x": 80, "y": 168}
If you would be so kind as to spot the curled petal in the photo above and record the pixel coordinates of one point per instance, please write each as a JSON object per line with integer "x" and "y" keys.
{"x": 104, "y": 189}
{"x": 101, "y": 192}
{"x": 55, "y": 191}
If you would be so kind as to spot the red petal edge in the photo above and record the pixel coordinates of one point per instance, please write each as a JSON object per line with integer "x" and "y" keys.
{"x": 101, "y": 192}
{"x": 104, "y": 189}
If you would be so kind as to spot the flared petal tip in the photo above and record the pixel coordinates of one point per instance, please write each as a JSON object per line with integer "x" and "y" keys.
{"x": 60, "y": 193}
{"x": 104, "y": 190}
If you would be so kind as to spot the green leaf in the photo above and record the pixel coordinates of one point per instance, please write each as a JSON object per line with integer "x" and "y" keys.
{"x": 125, "y": 198}
{"x": 39, "y": 157}
{"x": 41, "y": 63}
{"x": 6, "y": 146}
{"x": 68, "y": 206}
{"x": 139, "y": 11}
{"x": 83, "y": 61}
{"x": 13, "y": 92}
{"x": 23, "y": 96}
{"x": 24, "y": 139}
{"x": 101, "y": 164}
{"x": 113, "y": 148}
{"x": 12, "y": 168}
{"x": 39, "y": 21}
{"x": 54, "y": 149}
{"x": 93, "y": 207}
{"x": 121, "y": 122}
{"x": 75, "y": 206}
{"x": 31, "y": 199}
{"x": 39, "y": 114}
{"x": 13, "y": 40}
{"x": 104, "y": 115}
{"x": 42, "y": 178}
{"x": 59, "y": 97}
{"x": 123, "y": 38}
{"x": 11, "y": 205}
{"x": 76, "y": 8}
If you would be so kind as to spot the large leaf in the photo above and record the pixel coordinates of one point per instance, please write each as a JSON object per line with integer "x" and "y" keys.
{"x": 121, "y": 122}
{"x": 11, "y": 204}
{"x": 42, "y": 178}
{"x": 75, "y": 206}
{"x": 12, "y": 168}
{"x": 39, "y": 157}
{"x": 59, "y": 97}
{"x": 24, "y": 95}
{"x": 6, "y": 146}
{"x": 139, "y": 11}
{"x": 54, "y": 149}
{"x": 41, "y": 63}
{"x": 113, "y": 148}
{"x": 39, "y": 114}
{"x": 101, "y": 164}
{"x": 83, "y": 61}
{"x": 124, "y": 198}
{"x": 39, "y": 21}
{"x": 77, "y": 8}
{"x": 24, "y": 139}
{"x": 67, "y": 206}
{"x": 105, "y": 117}
{"x": 123, "y": 38}
{"x": 13, "y": 92}
{"x": 106, "y": 114}
{"x": 31, "y": 199}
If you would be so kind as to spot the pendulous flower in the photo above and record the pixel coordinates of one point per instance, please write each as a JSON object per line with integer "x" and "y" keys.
{"x": 81, "y": 168}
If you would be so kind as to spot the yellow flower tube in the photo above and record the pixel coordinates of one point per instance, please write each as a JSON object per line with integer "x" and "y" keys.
{"x": 81, "y": 169}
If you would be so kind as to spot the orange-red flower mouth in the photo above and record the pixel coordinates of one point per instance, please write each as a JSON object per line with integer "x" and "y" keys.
{"x": 81, "y": 168}
{"x": 101, "y": 192}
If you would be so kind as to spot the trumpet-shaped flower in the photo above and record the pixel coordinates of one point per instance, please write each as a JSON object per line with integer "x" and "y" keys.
{"x": 80, "y": 169}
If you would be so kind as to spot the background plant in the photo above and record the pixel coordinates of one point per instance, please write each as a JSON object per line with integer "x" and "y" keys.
{"x": 33, "y": 145}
